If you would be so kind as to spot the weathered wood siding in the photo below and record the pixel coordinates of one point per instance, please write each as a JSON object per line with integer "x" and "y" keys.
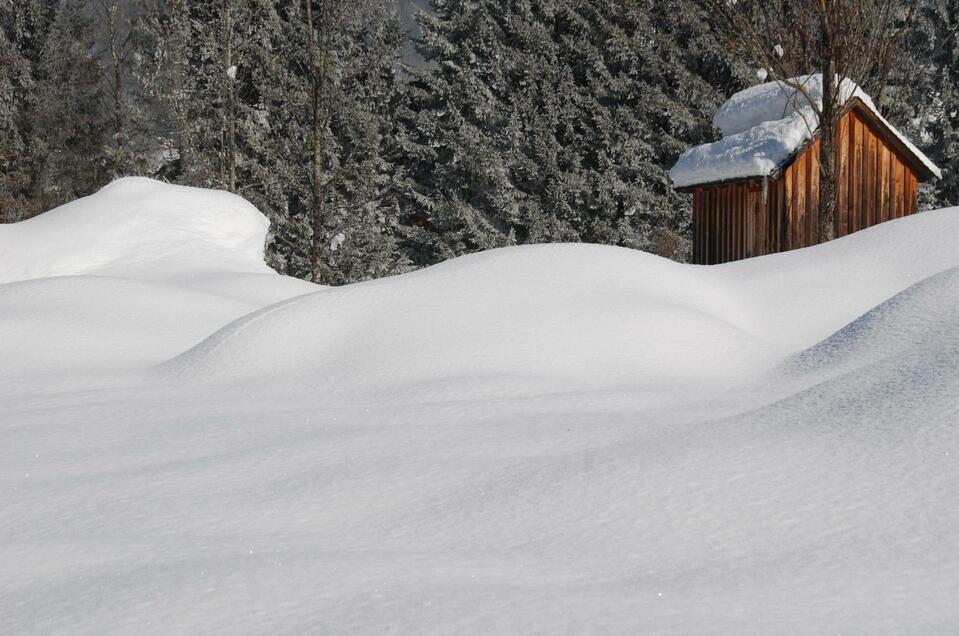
{"x": 735, "y": 220}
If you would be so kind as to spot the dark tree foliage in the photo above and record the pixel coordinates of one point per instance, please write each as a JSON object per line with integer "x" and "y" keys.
{"x": 539, "y": 121}
{"x": 528, "y": 121}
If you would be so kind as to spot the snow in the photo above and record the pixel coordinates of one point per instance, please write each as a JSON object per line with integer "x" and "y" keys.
{"x": 763, "y": 126}
{"x": 556, "y": 438}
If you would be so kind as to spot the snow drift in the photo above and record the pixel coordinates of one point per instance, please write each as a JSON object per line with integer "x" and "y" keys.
{"x": 575, "y": 316}
{"x": 128, "y": 277}
{"x": 137, "y": 227}
{"x": 531, "y": 440}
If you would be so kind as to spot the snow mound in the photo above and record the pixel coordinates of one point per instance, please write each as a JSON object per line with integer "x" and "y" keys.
{"x": 763, "y": 127}
{"x": 923, "y": 317}
{"x": 137, "y": 227}
{"x": 128, "y": 278}
{"x": 558, "y": 316}
{"x": 596, "y": 440}
{"x": 567, "y": 315}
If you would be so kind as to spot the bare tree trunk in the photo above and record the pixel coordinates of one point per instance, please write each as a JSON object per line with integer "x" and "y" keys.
{"x": 116, "y": 55}
{"x": 318, "y": 64}
{"x": 230, "y": 73}
{"x": 180, "y": 14}
{"x": 827, "y": 154}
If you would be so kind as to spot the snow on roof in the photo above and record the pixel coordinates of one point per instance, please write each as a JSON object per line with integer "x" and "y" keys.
{"x": 763, "y": 126}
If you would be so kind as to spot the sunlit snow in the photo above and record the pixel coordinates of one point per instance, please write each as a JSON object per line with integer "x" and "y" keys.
{"x": 545, "y": 439}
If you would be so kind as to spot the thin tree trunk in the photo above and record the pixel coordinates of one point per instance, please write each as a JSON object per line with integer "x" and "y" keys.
{"x": 317, "y": 78}
{"x": 115, "y": 54}
{"x": 827, "y": 154}
{"x": 230, "y": 78}
{"x": 179, "y": 11}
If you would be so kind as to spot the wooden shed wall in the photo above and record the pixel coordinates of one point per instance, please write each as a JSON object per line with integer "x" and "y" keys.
{"x": 731, "y": 221}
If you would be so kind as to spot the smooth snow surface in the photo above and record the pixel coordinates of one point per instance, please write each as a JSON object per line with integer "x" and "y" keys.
{"x": 762, "y": 127}
{"x": 549, "y": 439}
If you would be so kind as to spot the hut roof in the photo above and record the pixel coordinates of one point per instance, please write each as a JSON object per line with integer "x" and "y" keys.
{"x": 766, "y": 126}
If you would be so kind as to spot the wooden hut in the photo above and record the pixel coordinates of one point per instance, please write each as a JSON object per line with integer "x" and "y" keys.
{"x": 756, "y": 191}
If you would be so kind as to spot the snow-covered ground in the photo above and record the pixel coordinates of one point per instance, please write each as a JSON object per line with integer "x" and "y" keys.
{"x": 549, "y": 439}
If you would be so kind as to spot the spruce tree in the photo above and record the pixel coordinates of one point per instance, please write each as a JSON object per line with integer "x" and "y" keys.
{"x": 546, "y": 121}
{"x": 70, "y": 118}
{"x": 943, "y": 98}
{"x": 14, "y": 76}
{"x": 24, "y": 27}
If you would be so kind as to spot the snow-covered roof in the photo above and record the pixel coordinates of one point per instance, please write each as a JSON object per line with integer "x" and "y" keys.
{"x": 763, "y": 127}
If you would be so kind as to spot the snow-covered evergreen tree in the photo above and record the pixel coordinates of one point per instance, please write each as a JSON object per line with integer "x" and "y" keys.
{"x": 943, "y": 126}
{"x": 14, "y": 75}
{"x": 540, "y": 120}
{"x": 24, "y": 27}
{"x": 71, "y": 121}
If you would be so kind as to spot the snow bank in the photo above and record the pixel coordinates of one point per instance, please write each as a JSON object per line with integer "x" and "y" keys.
{"x": 531, "y": 440}
{"x": 584, "y": 316}
{"x": 129, "y": 277}
{"x": 137, "y": 227}
{"x": 763, "y": 126}
{"x": 574, "y": 315}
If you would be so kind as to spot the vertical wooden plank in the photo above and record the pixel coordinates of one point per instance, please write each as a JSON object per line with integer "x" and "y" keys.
{"x": 734, "y": 227}
{"x": 704, "y": 214}
{"x": 881, "y": 181}
{"x": 812, "y": 195}
{"x": 774, "y": 207}
{"x": 891, "y": 186}
{"x": 717, "y": 226}
{"x": 888, "y": 184}
{"x": 779, "y": 211}
{"x": 744, "y": 222}
{"x": 708, "y": 223}
{"x": 704, "y": 237}
{"x": 740, "y": 225}
{"x": 723, "y": 225}
{"x": 734, "y": 235}
{"x": 787, "y": 209}
{"x": 737, "y": 210}
{"x": 747, "y": 194}
{"x": 705, "y": 220}
{"x": 708, "y": 220}
{"x": 864, "y": 178}
{"x": 855, "y": 167}
{"x": 697, "y": 227}
{"x": 757, "y": 228}
{"x": 869, "y": 180}
{"x": 842, "y": 176}
{"x": 798, "y": 221}
{"x": 900, "y": 189}
{"x": 913, "y": 192}
{"x": 721, "y": 221}
{"x": 734, "y": 203}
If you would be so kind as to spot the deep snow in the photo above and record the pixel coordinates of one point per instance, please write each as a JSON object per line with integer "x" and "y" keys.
{"x": 549, "y": 439}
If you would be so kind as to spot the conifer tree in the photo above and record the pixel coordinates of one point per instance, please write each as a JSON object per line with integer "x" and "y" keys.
{"x": 542, "y": 121}
{"x": 943, "y": 128}
{"x": 70, "y": 117}
{"x": 14, "y": 76}
{"x": 24, "y": 27}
